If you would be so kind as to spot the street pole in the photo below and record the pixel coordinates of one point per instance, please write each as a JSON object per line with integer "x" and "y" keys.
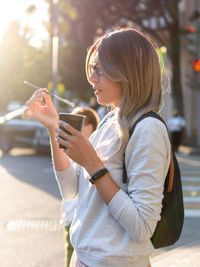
{"x": 197, "y": 8}
{"x": 55, "y": 48}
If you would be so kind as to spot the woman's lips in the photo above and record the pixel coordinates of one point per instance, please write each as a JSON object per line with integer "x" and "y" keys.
{"x": 96, "y": 91}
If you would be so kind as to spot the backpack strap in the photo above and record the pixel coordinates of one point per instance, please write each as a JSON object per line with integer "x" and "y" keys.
{"x": 105, "y": 119}
{"x": 171, "y": 172}
{"x": 154, "y": 115}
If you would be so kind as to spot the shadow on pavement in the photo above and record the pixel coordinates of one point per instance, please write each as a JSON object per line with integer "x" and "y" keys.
{"x": 29, "y": 167}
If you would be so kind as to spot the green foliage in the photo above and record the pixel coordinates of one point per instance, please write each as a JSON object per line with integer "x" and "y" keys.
{"x": 159, "y": 18}
{"x": 18, "y": 62}
{"x": 80, "y": 22}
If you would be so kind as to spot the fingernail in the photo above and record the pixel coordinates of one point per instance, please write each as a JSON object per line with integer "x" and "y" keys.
{"x": 62, "y": 123}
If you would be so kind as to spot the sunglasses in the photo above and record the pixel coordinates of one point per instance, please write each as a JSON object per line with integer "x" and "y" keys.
{"x": 95, "y": 67}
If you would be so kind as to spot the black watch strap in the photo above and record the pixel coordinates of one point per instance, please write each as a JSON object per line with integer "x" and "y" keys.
{"x": 98, "y": 175}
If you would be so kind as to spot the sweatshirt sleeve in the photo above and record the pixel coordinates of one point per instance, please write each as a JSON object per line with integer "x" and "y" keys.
{"x": 147, "y": 160}
{"x": 68, "y": 181}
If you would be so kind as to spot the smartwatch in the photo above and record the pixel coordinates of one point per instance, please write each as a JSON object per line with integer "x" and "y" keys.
{"x": 98, "y": 175}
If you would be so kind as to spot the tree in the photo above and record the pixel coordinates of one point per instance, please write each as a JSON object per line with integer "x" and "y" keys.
{"x": 18, "y": 62}
{"x": 78, "y": 31}
{"x": 159, "y": 18}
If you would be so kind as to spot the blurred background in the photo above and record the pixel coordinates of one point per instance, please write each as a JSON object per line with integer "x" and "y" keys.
{"x": 45, "y": 42}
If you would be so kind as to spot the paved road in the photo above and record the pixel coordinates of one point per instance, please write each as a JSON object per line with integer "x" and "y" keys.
{"x": 31, "y": 235}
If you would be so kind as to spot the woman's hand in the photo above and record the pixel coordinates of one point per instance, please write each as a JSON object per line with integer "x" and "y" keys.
{"x": 40, "y": 111}
{"x": 78, "y": 148}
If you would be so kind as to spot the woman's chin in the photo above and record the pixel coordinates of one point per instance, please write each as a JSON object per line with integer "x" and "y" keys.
{"x": 102, "y": 102}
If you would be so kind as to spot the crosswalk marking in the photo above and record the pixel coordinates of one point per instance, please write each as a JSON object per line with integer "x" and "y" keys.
{"x": 191, "y": 199}
{"x": 190, "y": 176}
{"x": 36, "y": 225}
{"x": 190, "y": 179}
{"x": 191, "y": 188}
{"x": 192, "y": 173}
{"x": 192, "y": 212}
{"x": 191, "y": 162}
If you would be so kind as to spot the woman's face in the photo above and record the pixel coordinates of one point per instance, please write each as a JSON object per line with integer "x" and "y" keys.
{"x": 106, "y": 91}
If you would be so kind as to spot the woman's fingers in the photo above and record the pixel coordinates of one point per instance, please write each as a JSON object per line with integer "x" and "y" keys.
{"x": 34, "y": 99}
{"x": 63, "y": 142}
{"x": 69, "y": 128}
{"x": 40, "y": 100}
{"x": 27, "y": 113}
{"x": 38, "y": 96}
{"x": 41, "y": 108}
{"x": 48, "y": 99}
{"x": 62, "y": 133}
{"x": 66, "y": 139}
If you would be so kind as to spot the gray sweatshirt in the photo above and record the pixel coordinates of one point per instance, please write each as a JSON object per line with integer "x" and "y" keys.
{"x": 119, "y": 234}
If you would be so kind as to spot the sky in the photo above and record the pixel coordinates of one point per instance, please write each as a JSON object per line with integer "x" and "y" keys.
{"x": 12, "y": 10}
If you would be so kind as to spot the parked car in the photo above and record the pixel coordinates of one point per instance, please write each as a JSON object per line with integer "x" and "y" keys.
{"x": 20, "y": 132}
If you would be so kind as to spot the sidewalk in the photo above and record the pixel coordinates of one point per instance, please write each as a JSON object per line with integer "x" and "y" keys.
{"x": 185, "y": 253}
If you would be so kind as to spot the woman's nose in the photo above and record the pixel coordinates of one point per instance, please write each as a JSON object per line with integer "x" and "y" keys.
{"x": 93, "y": 78}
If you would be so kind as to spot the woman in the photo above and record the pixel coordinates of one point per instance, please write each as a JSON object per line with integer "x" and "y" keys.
{"x": 114, "y": 221}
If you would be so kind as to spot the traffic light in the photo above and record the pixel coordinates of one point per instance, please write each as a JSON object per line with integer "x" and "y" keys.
{"x": 189, "y": 33}
{"x": 190, "y": 29}
{"x": 196, "y": 65}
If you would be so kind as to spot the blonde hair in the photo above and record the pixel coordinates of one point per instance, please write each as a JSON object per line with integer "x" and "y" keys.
{"x": 129, "y": 57}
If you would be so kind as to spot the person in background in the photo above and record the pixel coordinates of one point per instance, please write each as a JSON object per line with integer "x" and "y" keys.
{"x": 93, "y": 103}
{"x": 114, "y": 220}
{"x": 176, "y": 126}
{"x": 100, "y": 109}
{"x": 90, "y": 125}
